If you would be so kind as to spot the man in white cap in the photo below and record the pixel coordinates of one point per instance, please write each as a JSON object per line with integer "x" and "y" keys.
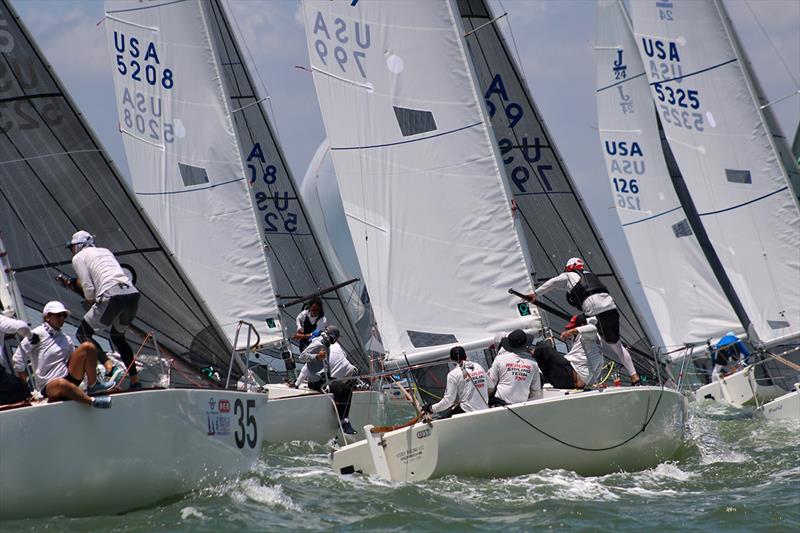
{"x": 514, "y": 375}
{"x": 11, "y": 390}
{"x": 59, "y": 367}
{"x": 587, "y": 293}
{"x": 113, "y": 298}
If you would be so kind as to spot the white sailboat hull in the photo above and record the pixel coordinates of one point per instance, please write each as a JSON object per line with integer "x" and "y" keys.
{"x": 784, "y": 407}
{"x": 496, "y": 443}
{"x": 307, "y": 415}
{"x": 65, "y": 458}
{"x": 739, "y": 389}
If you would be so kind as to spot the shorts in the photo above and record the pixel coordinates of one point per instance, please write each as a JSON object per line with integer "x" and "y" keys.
{"x": 115, "y": 308}
{"x": 68, "y": 377}
{"x": 608, "y": 326}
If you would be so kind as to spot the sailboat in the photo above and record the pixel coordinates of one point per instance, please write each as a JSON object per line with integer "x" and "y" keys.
{"x": 208, "y": 169}
{"x": 56, "y": 178}
{"x": 739, "y": 179}
{"x": 430, "y": 212}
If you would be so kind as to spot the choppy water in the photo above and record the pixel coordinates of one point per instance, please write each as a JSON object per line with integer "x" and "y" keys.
{"x": 736, "y": 472}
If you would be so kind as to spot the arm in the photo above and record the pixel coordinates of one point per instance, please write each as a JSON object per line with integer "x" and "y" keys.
{"x": 450, "y": 395}
{"x": 20, "y": 358}
{"x": 84, "y": 277}
{"x": 743, "y": 351}
{"x": 494, "y": 377}
{"x": 558, "y": 282}
{"x": 12, "y": 325}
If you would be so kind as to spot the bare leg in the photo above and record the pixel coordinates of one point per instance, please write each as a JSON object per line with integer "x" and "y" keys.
{"x": 579, "y": 384}
{"x": 83, "y": 361}
{"x": 61, "y": 389}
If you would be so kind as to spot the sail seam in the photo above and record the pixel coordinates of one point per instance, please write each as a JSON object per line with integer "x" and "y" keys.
{"x": 189, "y": 190}
{"x": 651, "y": 217}
{"x": 621, "y": 82}
{"x": 696, "y": 72}
{"x": 152, "y": 6}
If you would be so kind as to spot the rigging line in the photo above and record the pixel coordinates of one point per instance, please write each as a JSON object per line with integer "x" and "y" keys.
{"x": 513, "y": 41}
{"x": 352, "y": 333}
{"x": 785, "y": 66}
{"x": 567, "y": 180}
{"x": 601, "y": 89}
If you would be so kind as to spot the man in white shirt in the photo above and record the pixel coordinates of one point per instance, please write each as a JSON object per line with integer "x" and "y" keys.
{"x": 587, "y": 293}
{"x": 113, "y": 299}
{"x": 310, "y": 320}
{"x": 341, "y": 372}
{"x": 585, "y": 355}
{"x": 314, "y": 357}
{"x": 514, "y": 375}
{"x": 11, "y": 389}
{"x": 466, "y": 389}
{"x": 59, "y": 367}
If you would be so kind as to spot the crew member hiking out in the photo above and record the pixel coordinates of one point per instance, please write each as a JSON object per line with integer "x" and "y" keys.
{"x": 113, "y": 299}
{"x": 314, "y": 358}
{"x": 729, "y": 355}
{"x": 341, "y": 374}
{"x": 466, "y": 389}
{"x": 587, "y": 293}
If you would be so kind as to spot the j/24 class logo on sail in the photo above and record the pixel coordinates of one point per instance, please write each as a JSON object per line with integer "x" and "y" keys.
{"x": 138, "y": 60}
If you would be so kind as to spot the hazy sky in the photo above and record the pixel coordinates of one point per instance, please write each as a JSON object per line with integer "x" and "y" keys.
{"x": 554, "y": 40}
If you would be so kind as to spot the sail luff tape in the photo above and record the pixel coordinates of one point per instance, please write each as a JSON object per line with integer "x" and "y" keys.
{"x": 473, "y": 30}
{"x": 368, "y": 86}
{"x": 123, "y": 21}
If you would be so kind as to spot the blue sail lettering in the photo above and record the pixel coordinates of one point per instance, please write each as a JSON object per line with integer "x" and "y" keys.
{"x": 342, "y": 27}
{"x": 366, "y": 42}
{"x": 319, "y": 25}
{"x": 497, "y": 87}
{"x": 526, "y": 149}
{"x": 152, "y": 54}
{"x": 119, "y": 42}
{"x": 257, "y": 153}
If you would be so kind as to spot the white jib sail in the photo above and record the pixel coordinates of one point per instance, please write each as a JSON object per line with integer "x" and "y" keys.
{"x": 425, "y": 199}
{"x": 685, "y": 297}
{"x": 726, "y": 157}
{"x": 185, "y": 160}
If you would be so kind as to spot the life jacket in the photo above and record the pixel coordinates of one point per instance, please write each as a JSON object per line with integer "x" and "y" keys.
{"x": 309, "y": 327}
{"x": 588, "y": 285}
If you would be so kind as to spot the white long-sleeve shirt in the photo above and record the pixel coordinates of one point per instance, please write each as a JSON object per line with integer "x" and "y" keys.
{"x": 514, "y": 379}
{"x": 313, "y": 365}
{"x": 338, "y": 365}
{"x": 592, "y": 306}
{"x": 466, "y": 387}
{"x": 49, "y": 356}
{"x": 319, "y": 322}
{"x": 98, "y": 270}
{"x": 586, "y": 355}
{"x": 8, "y": 326}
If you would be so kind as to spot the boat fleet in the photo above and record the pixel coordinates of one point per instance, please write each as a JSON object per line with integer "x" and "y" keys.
{"x": 457, "y": 202}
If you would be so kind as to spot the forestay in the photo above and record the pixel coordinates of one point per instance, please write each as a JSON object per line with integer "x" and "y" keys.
{"x": 185, "y": 159}
{"x": 426, "y": 202}
{"x": 54, "y": 179}
{"x": 554, "y": 219}
{"x": 728, "y": 158}
{"x": 685, "y": 297}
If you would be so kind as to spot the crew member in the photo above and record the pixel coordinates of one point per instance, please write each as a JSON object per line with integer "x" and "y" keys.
{"x": 514, "y": 376}
{"x": 729, "y": 355}
{"x": 59, "y": 368}
{"x": 341, "y": 373}
{"x": 310, "y": 322}
{"x": 586, "y": 292}
{"x": 314, "y": 358}
{"x": 466, "y": 389}
{"x": 585, "y": 355}
{"x": 113, "y": 298}
{"x": 11, "y": 390}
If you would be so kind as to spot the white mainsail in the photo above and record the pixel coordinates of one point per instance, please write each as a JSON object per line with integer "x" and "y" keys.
{"x": 185, "y": 158}
{"x": 728, "y": 158}
{"x": 686, "y": 300}
{"x": 426, "y": 202}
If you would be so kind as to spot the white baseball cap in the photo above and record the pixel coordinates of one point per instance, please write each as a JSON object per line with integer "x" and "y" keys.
{"x": 81, "y": 237}
{"x": 54, "y": 308}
